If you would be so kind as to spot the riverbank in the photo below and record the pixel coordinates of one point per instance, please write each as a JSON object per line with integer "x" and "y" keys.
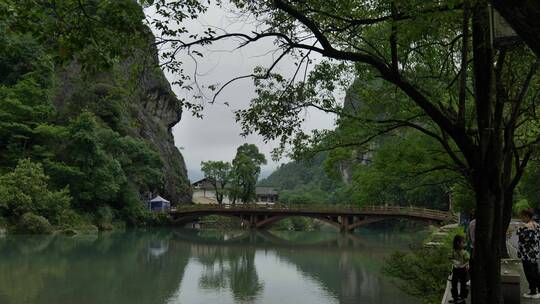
{"x": 422, "y": 271}
{"x": 76, "y": 223}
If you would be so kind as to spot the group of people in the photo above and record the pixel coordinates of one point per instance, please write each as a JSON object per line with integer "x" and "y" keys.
{"x": 528, "y": 235}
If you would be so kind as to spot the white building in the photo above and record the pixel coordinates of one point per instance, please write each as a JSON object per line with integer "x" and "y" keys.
{"x": 205, "y": 193}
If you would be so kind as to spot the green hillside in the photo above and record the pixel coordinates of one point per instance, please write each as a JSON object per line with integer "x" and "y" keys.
{"x": 305, "y": 182}
{"x": 85, "y": 117}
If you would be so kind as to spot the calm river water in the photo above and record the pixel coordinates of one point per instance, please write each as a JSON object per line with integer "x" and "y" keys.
{"x": 201, "y": 266}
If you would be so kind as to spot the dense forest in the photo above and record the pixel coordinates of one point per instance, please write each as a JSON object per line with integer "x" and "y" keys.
{"x": 84, "y": 137}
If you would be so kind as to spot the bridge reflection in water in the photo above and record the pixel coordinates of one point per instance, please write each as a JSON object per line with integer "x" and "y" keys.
{"x": 201, "y": 266}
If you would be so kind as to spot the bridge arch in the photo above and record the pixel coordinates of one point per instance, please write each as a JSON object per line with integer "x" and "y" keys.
{"x": 337, "y": 222}
{"x": 345, "y": 218}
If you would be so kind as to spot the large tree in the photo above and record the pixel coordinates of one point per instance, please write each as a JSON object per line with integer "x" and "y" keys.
{"x": 219, "y": 173}
{"x": 477, "y": 102}
{"x": 246, "y": 169}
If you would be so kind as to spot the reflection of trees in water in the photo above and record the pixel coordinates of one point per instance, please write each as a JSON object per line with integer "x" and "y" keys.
{"x": 352, "y": 276}
{"x": 232, "y": 268}
{"x": 148, "y": 267}
{"x": 346, "y": 266}
{"x": 122, "y": 268}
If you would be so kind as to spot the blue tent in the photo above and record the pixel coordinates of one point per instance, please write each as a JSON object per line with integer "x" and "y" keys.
{"x": 158, "y": 203}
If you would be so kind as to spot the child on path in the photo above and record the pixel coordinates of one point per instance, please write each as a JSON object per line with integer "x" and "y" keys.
{"x": 460, "y": 267}
{"x": 528, "y": 243}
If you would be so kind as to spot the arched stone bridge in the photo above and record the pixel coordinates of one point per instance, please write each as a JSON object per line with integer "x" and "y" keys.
{"x": 343, "y": 217}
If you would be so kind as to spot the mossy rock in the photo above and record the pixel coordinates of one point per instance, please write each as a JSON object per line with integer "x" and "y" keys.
{"x": 33, "y": 224}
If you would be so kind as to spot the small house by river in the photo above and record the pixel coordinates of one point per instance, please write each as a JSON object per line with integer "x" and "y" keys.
{"x": 205, "y": 193}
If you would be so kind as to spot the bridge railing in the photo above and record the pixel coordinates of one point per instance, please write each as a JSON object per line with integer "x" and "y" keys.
{"x": 315, "y": 208}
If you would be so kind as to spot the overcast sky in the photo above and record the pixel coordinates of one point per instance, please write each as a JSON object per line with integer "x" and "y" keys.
{"x": 217, "y": 135}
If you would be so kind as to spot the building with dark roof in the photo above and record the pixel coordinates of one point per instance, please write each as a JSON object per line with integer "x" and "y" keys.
{"x": 205, "y": 193}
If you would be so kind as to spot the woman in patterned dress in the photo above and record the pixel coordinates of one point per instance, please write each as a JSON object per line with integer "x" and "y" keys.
{"x": 528, "y": 249}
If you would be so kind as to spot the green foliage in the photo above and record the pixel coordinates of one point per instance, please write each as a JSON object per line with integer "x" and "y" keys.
{"x": 30, "y": 223}
{"x": 104, "y": 218}
{"x": 463, "y": 199}
{"x": 94, "y": 32}
{"x": 219, "y": 173}
{"x": 141, "y": 165}
{"x": 521, "y": 205}
{"x": 160, "y": 219}
{"x": 101, "y": 175}
{"x": 246, "y": 167}
{"x": 67, "y": 94}
{"x": 25, "y": 190}
{"x": 422, "y": 272}
{"x": 400, "y": 172}
{"x": 307, "y": 182}
{"x": 400, "y": 168}
{"x": 529, "y": 187}
{"x": 133, "y": 212}
{"x": 301, "y": 223}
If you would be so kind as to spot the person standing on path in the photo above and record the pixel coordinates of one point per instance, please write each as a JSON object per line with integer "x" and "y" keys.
{"x": 460, "y": 268}
{"x": 528, "y": 250}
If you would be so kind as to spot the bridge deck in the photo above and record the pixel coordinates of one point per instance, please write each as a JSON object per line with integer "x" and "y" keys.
{"x": 314, "y": 209}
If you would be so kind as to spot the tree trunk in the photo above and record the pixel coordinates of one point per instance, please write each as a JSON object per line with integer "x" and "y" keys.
{"x": 485, "y": 276}
{"x": 486, "y": 165}
{"x": 506, "y": 218}
{"x": 219, "y": 197}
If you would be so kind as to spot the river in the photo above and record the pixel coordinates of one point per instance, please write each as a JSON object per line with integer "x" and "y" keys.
{"x": 176, "y": 266}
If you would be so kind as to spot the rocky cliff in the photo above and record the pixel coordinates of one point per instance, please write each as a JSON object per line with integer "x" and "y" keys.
{"x": 158, "y": 111}
{"x": 134, "y": 98}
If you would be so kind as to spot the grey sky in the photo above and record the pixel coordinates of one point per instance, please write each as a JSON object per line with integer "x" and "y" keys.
{"x": 217, "y": 135}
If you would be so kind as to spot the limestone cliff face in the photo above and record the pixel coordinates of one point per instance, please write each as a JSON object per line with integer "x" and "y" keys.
{"x": 148, "y": 110}
{"x": 158, "y": 111}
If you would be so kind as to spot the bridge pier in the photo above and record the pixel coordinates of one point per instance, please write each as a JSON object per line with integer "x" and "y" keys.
{"x": 250, "y": 220}
{"x": 344, "y": 223}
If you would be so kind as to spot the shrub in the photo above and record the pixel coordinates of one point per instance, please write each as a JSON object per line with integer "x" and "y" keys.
{"x": 70, "y": 219}
{"x": 104, "y": 218}
{"x": 422, "y": 272}
{"x": 161, "y": 219}
{"x": 26, "y": 190}
{"x": 33, "y": 224}
{"x": 134, "y": 211}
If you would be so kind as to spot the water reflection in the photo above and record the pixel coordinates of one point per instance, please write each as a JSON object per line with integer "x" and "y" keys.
{"x": 191, "y": 266}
